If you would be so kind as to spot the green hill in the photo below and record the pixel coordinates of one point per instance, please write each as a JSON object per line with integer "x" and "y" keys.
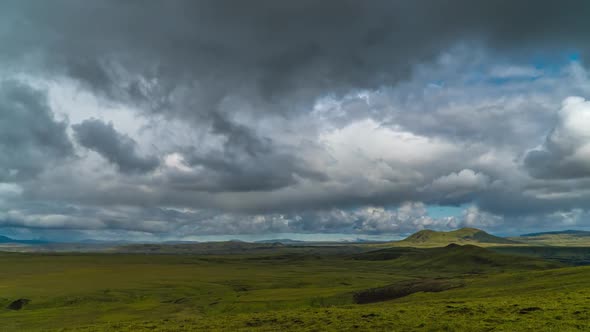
{"x": 429, "y": 238}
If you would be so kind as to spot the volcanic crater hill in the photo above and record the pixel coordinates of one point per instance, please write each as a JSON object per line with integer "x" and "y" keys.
{"x": 429, "y": 238}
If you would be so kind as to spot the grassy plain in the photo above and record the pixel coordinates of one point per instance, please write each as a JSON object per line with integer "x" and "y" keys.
{"x": 561, "y": 240}
{"x": 293, "y": 291}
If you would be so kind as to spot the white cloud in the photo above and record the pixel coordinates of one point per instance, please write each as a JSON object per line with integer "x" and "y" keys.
{"x": 460, "y": 183}
{"x": 10, "y": 190}
{"x": 565, "y": 154}
{"x": 515, "y": 72}
{"x": 367, "y": 150}
{"x": 474, "y": 217}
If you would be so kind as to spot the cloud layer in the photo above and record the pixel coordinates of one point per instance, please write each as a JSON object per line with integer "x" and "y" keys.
{"x": 187, "y": 118}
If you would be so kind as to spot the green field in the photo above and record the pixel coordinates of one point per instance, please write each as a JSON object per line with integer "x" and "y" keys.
{"x": 456, "y": 288}
{"x": 565, "y": 239}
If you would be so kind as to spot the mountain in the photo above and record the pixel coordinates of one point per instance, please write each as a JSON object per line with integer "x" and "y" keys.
{"x": 430, "y": 238}
{"x": 5, "y": 239}
{"x": 283, "y": 241}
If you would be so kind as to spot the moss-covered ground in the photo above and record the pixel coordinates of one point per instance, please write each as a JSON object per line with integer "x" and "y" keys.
{"x": 293, "y": 292}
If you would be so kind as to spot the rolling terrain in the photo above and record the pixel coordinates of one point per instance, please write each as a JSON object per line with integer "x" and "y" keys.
{"x": 395, "y": 289}
{"x": 431, "y": 281}
{"x": 569, "y": 238}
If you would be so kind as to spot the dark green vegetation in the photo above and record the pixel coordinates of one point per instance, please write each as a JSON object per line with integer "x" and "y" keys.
{"x": 568, "y": 255}
{"x": 404, "y": 288}
{"x": 238, "y": 247}
{"x": 455, "y": 258}
{"x": 273, "y": 287}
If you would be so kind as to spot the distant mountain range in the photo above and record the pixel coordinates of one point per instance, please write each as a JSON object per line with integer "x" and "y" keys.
{"x": 422, "y": 239}
{"x": 566, "y": 232}
{"x": 283, "y": 241}
{"x": 5, "y": 239}
{"x": 567, "y": 238}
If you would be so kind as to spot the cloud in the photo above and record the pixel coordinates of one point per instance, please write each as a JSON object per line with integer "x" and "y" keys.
{"x": 274, "y": 57}
{"x": 407, "y": 218}
{"x": 474, "y": 217}
{"x": 245, "y": 162}
{"x": 117, "y": 148}
{"x": 311, "y": 116}
{"x": 565, "y": 153}
{"x": 515, "y": 72}
{"x": 79, "y": 219}
{"x": 309, "y": 174}
{"x": 30, "y": 137}
{"x": 458, "y": 184}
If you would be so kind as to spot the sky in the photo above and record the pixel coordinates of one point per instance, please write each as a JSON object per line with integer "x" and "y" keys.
{"x": 335, "y": 119}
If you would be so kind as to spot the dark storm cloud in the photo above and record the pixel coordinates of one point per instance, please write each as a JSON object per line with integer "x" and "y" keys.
{"x": 205, "y": 60}
{"x": 550, "y": 164}
{"x": 115, "y": 147}
{"x": 243, "y": 76}
{"x": 245, "y": 162}
{"x": 225, "y": 172}
{"x": 202, "y": 60}
{"x": 31, "y": 139}
{"x": 276, "y": 53}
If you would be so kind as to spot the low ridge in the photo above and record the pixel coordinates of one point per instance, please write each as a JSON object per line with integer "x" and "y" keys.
{"x": 467, "y": 258}
{"x": 566, "y": 232}
{"x": 567, "y": 238}
{"x": 6, "y": 240}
